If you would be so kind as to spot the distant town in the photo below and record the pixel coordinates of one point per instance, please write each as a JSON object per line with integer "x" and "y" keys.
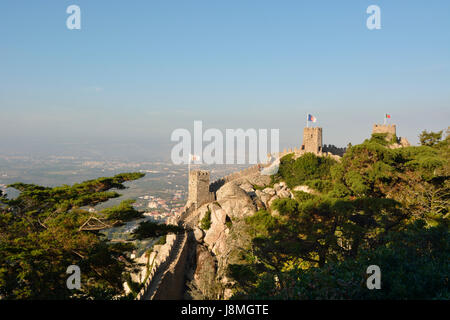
{"x": 160, "y": 194}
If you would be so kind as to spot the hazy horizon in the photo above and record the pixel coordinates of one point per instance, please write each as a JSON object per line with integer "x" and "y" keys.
{"x": 138, "y": 70}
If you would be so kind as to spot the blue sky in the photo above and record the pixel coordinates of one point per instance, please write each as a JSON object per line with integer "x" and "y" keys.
{"x": 139, "y": 69}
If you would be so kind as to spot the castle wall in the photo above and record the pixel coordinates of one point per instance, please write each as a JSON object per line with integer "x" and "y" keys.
{"x": 172, "y": 283}
{"x": 334, "y": 150}
{"x": 235, "y": 175}
{"x": 390, "y": 129}
{"x": 159, "y": 261}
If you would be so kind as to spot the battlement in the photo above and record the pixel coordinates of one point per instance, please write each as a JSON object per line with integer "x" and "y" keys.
{"x": 384, "y": 128}
{"x": 199, "y": 173}
{"x": 235, "y": 175}
{"x": 389, "y": 129}
{"x": 312, "y": 129}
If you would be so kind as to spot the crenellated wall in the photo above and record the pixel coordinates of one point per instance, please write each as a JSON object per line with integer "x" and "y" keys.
{"x": 171, "y": 286}
{"x": 160, "y": 260}
{"x": 214, "y": 186}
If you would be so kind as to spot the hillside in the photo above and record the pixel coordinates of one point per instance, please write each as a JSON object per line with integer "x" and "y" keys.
{"x": 311, "y": 230}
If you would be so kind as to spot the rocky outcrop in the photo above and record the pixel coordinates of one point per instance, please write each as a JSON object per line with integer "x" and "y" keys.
{"x": 206, "y": 263}
{"x": 226, "y": 235}
{"x": 401, "y": 143}
{"x": 304, "y": 189}
{"x": 199, "y": 234}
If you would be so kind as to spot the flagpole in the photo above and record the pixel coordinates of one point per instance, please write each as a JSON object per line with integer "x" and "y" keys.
{"x": 385, "y": 119}
{"x": 307, "y": 122}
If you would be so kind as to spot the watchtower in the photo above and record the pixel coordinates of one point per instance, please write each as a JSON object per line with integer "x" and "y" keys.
{"x": 389, "y": 129}
{"x": 199, "y": 187}
{"x": 312, "y": 140}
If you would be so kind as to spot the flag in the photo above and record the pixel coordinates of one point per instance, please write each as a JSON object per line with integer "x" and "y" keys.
{"x": 388, "y": 116}
{"x": 311, "y": 118}
{"x": 194, "y": 157}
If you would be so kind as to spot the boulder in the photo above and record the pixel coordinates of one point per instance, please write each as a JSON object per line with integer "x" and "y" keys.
{"x": 235, "y": 201}
{"x": 257, "y": 179}
{"x": 404, "y": 142}
{"x": 284, "y": 194}
{"x": 269, "y": 191}
{"x": 227, "y": 293}
{"x": 304, "y": 189}
{"x": 265, "y": 199}
{"x": 259, "y": 204}
{"x": 199, "y": 234}
{"x": 205, "y": 263}
{"x": 216, "y": 232}
{"x": 247, "y": 187}
{"x": 218, "y": 216}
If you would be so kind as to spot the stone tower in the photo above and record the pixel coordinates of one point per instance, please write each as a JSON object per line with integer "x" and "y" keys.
{"x": 199, "y": 188}
{"x": 312, "y": 140}
{"x": 390, "y": 129}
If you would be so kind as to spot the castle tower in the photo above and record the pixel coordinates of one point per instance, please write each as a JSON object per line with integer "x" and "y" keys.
{"x": 390, "y": 129}
{"x": 312, "y": 140}
{"x": 199, "y": 187}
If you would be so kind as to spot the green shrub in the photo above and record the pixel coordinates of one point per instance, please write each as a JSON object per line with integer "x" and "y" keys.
{"x": 302, "y": 196}
{"x": 380, "y": 138}
{"x": 307, "y": 167}
{"x": 205, "y": 223}
{"x": 320, "y": 185}
{"x": 161, "y": 240}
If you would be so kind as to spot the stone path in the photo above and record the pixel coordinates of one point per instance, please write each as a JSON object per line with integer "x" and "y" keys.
{"x": 191, "y": 219}
{"x": 165, "y": 266}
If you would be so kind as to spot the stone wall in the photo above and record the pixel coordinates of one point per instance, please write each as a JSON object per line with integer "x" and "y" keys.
{"x": 235, "y": 175}
{"x": 389, "y": 129}
{"x": 172, "y": 283}
{"x": 334, "y": 150}
{"x": 199, "y": 193}
{"x": 158, "y": 262}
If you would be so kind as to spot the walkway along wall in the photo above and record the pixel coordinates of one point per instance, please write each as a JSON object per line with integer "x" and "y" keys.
{"x": 172, "y": 284}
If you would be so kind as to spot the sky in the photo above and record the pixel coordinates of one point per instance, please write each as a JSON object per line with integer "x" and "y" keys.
{"x": 137, "y": 70}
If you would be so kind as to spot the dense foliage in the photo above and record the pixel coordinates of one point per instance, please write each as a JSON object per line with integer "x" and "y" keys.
{"x": 44, "y": 230}
{"x": 377, "y": 206}
{"x": 308, "y": 170}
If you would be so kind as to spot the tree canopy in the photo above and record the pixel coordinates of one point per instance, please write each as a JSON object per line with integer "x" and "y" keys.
{"x": 46, "y": 229}
{"x": 377, "y": 205}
